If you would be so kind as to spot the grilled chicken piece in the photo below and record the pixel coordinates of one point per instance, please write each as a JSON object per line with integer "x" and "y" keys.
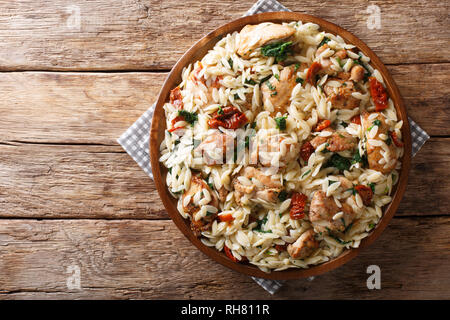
{"x": 198, "y": 184}
{"x": 337, "y": 142}
{"x": 267, "y": 189}
{"x": 265, "y": 150}
{"x": 223, "y": 192}
{"x": 375, "y": 153}
{"x": 216, "y": 148}
{"x": 304, "y": 246}
{"x": 277, "y": 93}
{"x": 345, "y": 183}
{"x": 326, "y": 62}
{"x": 255, "y": 36}
{"x": 341, "y": 97}
{"x": 202, "y": 89}
{"x": 322, "y": 211}
{"x": 357, "y": 73}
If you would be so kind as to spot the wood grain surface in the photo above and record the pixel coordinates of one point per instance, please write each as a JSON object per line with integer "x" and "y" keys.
{"x": 70, "y": 195}
{"x": 152, "y": 259}
{"x": 148, "y": 35}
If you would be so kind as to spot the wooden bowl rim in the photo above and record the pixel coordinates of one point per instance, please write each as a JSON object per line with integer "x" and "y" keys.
{"x": 174, "y": 78}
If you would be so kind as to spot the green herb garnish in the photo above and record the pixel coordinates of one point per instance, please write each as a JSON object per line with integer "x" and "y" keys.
{"x": 372, "y": 186}
{"x": 358, "y": 158}
{"x": 299, "y": 80}
{"x": 324, "y": 40}
{"x": 250, "y": 81}
{"x": 277, "y": 76}
{"x": 189, "y": 117}
{"x": 270, "y": 86}
{"x": 307, "y": 172}
{"x": 265, "y": 78}
{"x": 339, "y": 162}
{"x": 376, "y": 122}
{"x": 388, "y": 140}
{"x": 281, "y": 123}
{"x": 279, "y": 50}
{"x": 330, "y": 182}
{"x": 220, "y": 111}
{"x": 282, "y": 196}
{"x": 296, "y": 67}
{"x": 344, "y": 124}
{"x": 230, "y": 62}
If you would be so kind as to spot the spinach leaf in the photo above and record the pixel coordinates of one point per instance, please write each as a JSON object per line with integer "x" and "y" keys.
{"x": 189, "y": 117}
{"x": 281, "y": 123}
{"x": 339, "y": 162}
{"x": 279, "y": 50}
{"x": 324, "y": 40}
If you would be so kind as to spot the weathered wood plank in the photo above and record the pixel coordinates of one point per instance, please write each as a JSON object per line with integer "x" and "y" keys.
{"x": 150, "y": 259}
{"x": 98, "y": 108}
{"x": 71, "y": 181}
{"x": 151, "y": 34}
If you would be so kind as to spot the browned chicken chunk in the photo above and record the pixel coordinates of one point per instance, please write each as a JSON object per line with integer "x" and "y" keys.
{"x": 322, "y": 211}
{"x": 263, "y": 151}
{"x": 304, "y": 246}
{"x": 341, "y": 97}
{"x": 277, "y": 93}
{"x": 216, "y": 148}
{"x": 267, "y": 189}
{"x": 375, "y": 153}
{"x": 255, "y": 36}
{"x": 357, "y": 73}
{"x": 198, "y": 184}
{"x": 337, "y": 142}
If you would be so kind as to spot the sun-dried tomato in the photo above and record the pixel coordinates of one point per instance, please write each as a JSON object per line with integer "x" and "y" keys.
{"x": 395, "y": 138}
{"x": 365, "y": 193}
{"x": 306, "y": 151}
{"x": 298, "y": 203}
{"x": 322, "y": 125}
{"x": 175, "y": 98}
{"x": 174, "y": 121}
{"x": 228, "y": 117}
{"x": 356, "y": 119}
{"x": 378, "y": 93}
{"x": 280, "y": 247}
{"x": 226, "y": 217}
{"x": 312, "y": 71}
{"x": 233, "y": 258}
{"x": 216, "y": 83}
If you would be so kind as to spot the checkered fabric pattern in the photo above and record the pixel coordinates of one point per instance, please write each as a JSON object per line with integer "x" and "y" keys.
{"x": 135, "y": 139}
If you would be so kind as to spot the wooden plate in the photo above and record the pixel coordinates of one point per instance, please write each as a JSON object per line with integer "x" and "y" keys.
{"x": 196, "y": 52}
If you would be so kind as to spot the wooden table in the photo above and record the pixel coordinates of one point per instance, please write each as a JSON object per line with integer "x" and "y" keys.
{"x": 71, "y": 198}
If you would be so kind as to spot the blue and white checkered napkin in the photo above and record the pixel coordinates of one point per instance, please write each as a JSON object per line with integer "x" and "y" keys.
{"x": 135, "y": 139}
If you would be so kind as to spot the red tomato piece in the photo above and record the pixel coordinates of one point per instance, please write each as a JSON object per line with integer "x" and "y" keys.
{"x": 356, "y": 119}
{"x": 396, "y": 140}
{"x": 378, "y": 93}
{"x": 230, "y": 255}
{"x": 298, "y": 203}
{"x": 312, "y": 71}
{"x": 226, "y": 217}
{"x": 365, "y": 193}
{"x": 174, "y": 121}
{"x": 322, "y": 125}
{"x": 280, "y": 248}
{"x": 175, "y": 98}
{"x": 229, "y": 118}
{"x": 306, "y": 150}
